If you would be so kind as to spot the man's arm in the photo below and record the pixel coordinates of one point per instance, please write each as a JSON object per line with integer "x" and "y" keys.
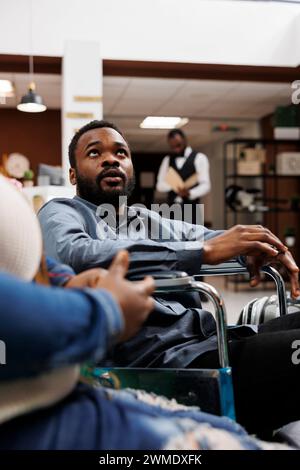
{"x": 202, "y": 169}
{"x": 44, "y": 328}
{"x": 66, "y": 240}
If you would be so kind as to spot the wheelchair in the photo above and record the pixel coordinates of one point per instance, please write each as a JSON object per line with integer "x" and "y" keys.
{"x": 209, "y": 389}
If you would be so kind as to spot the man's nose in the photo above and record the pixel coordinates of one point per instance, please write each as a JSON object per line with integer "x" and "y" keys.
{"x": 109, "y": 159}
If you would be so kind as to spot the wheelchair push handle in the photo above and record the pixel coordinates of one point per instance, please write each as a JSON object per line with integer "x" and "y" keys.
{"x": 280, "y": 288}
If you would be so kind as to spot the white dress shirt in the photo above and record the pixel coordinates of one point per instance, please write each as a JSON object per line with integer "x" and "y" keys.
{"x": 202, "y": 169}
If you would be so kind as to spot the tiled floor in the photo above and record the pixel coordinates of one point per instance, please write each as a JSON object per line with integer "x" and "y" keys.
{"x": 235, "y": 301}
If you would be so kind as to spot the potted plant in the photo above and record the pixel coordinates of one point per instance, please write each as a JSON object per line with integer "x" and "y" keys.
{"x": 28, "y": 178}
{"x": 290, "y": 237}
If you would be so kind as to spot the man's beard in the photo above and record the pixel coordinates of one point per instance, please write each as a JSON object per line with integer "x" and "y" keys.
{"x": 91, "y": 190}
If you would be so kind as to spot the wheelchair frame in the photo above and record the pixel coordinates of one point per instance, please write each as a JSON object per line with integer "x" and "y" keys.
{"x": 211, "y": 384}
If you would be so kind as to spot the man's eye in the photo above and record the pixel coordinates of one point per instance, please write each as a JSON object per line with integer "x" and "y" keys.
{"x": 93, "y": 153}
{"x": 122, "y": 152}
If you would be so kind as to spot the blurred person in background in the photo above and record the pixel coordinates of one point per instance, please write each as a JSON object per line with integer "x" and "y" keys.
{"x": 187, "y": 163}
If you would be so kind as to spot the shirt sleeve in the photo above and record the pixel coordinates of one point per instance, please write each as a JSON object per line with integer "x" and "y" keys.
{"x": 48, "y": 327}
{"x": 66, "y": 239}
{"x": 58, "y": 273}
{"x": 202, "y": 169}
{"x": 161, "y": 185}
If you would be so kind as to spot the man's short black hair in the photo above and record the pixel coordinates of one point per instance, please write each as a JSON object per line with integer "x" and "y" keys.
{"x": 91, "y": 125}
{"x": 175, "y": 132}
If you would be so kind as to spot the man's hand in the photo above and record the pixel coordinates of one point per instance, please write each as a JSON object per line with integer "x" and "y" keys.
{"x": 133, "y": 297}
{"x": 252, "y": 240}
{"x": 259, "y": 245}
{"x": 183, "y": 192}
{"x": 286, "y": 259}
{"x": 90, "y": 278}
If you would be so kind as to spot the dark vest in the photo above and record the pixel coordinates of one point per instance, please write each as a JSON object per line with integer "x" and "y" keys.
{"x": 185, "y": 172}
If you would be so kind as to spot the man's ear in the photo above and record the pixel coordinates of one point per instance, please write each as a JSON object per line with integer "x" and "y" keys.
{"x": 72, "y": 176}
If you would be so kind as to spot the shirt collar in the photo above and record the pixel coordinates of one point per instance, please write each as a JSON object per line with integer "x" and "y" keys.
{"x": 188, "y": 151}
{"x": 87, "y": 203}
{"x": 131, "y": 211}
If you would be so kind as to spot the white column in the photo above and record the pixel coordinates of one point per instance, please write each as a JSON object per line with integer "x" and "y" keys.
{"x": 81, "y": 91}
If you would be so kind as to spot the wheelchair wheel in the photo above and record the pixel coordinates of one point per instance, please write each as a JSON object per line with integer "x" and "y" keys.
{"x": 259, "y": 311}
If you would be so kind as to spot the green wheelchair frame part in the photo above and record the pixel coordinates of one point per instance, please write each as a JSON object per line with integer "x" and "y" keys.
{"x": 209, "y": 389}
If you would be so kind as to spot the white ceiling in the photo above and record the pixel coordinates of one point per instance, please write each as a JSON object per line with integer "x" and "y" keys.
{"x": 206, "y": 102}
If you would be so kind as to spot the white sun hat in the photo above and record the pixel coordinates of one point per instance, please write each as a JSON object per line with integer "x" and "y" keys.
{"x": 20, "y": 233}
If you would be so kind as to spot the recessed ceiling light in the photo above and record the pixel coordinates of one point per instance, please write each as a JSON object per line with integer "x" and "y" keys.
{"x": 163, "y": 122}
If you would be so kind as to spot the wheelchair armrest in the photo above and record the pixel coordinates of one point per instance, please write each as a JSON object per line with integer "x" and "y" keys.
{"x": 168, "y": 280}
{"x": 159, "y": 275}
{"x": 231, "y": 267}
{"x": 223, "y": 269}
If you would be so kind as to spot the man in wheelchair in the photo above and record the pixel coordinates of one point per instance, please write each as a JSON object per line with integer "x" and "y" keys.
{"x": 178, "y": 334}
